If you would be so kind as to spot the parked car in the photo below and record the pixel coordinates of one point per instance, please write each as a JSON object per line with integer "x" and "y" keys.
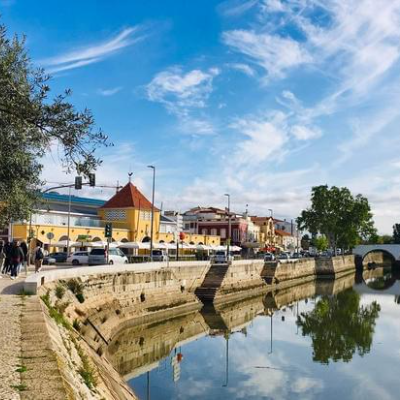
{"x": 79, "y": 258}
{"x": 159, "y": 255}
{"x": 99, "y": 257}
{"x": 221, "y": 257}
{"x": 297, "y": 255}
{"x": 284, "y": 256}
{"x": 59, "y": 256}
{"x": 47, "y": 260}
{"x": 269, "y": 257}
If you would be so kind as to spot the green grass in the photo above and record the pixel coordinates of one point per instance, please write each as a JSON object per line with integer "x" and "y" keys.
{"x": 76, "y": 325}
{"x": 55, "y": 313}
{"x": 21, "y": 369}
{"x": 86, "y": 371}
{"x": 20, "y": 388}
{"x": 60, "y": 291}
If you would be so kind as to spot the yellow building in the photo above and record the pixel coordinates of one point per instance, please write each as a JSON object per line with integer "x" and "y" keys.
{"x": 267, "y": 229}
{"x": 83, "y": 220}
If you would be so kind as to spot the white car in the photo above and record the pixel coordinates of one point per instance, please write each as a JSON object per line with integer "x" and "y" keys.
{"x": 79, "y": 258}
{"x": 159, "y": 255}
{"x": 221, "y": 257}
{"x": 115, "y": 256}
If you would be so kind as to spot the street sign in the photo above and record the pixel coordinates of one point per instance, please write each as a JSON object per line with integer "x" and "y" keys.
{"x": 50, "y": 235}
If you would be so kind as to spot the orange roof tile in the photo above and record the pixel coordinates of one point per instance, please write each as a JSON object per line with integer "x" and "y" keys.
{"x": 129, "y": 197}
{"x": 282, "y": 233}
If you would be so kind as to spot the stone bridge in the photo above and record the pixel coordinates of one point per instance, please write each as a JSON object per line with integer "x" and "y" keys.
{"x": 363, "y": 249}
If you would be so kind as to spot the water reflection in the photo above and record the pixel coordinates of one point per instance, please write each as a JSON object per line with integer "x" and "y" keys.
{"x": 329, "y": 338}
{"x": 339, "y": 326}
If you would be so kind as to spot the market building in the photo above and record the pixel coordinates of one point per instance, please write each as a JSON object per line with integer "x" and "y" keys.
{"x": 62, "y": 218}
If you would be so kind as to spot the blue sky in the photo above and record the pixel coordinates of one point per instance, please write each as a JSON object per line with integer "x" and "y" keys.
{"x": 259, "y": 98}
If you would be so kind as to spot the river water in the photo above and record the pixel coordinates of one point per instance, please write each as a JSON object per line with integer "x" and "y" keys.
{"x": 320, "y": 340}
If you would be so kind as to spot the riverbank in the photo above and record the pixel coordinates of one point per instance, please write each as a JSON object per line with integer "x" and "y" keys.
{"x": 87, "y": 311}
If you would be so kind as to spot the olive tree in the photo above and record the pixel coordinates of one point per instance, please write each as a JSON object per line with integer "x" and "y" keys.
{"x": 30, "y": 123}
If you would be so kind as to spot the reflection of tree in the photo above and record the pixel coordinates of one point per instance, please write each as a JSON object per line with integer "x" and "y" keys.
{"x": 338, "y": 326}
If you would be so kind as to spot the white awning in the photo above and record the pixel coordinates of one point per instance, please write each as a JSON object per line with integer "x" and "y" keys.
{"x": 62, "y": 243}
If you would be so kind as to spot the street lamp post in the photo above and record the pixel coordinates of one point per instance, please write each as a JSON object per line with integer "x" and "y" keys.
{"x": 152, "y": 211}
{"x": 69, "y": 219}
{"x": 229, "y": 225}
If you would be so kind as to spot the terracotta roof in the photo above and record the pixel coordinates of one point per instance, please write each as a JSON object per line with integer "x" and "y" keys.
{"x": 129, "y": 197}
{"x": 281, "y": 233}
{"x": 260, "y": 219}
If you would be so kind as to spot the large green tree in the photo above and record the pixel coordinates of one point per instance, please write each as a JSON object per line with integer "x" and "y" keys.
{"x": 335, "y": 213}
{"x": 339, "y": 326}
{"x": 30, "y": 123}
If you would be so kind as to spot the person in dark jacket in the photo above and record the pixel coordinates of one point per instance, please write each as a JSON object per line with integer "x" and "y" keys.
{"x": 7, "y": 257}
{"x": 2, "y": 255}
{"x": 24, "y": 263}
{"x": 17, "y": 257}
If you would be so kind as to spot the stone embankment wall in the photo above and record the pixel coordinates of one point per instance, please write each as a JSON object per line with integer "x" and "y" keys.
{"x": 89, "y": 310}
{"x": 287, "y": 274}
{"x": 227, "y": 283}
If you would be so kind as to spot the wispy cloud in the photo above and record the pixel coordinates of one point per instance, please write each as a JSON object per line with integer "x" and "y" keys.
{"x": 275, "y": 54}
{"x": 245, "y": 68}
{"x": 184, "y": 93}
{"x": 93, "y": 53}
{"x": 234, "y": 8}
{"x": 109, "y": 92}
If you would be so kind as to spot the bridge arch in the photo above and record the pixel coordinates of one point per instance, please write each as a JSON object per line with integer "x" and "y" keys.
{"x": 392, "y": 250}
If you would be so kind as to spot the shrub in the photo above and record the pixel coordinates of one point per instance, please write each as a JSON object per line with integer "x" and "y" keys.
{"x": 60, "y": 291}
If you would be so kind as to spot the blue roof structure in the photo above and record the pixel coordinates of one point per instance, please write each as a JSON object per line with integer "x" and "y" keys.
{"x": 64, "y": 198}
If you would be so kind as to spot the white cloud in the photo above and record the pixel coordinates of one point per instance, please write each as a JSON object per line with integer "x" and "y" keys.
{"x": 184, "y": 93}
{"x": 273, "y": 6}
{"x": 306, "y": 384}
{"x": 234, "y": 8}
{"x": 274, "y": 53}
{"x": 92, "y": 53}
{"x": 109, "y": 92}
{"x": 179, "y": 90}
{"x": 302, "y": 132}
{"x": 245, "y": 68}
{"x": 264, "y": 139}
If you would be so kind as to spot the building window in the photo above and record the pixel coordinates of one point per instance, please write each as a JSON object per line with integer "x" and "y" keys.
{"x": 145, "y": 215}
{"x": 213, "y": 232}
{"x": 223, "y": 233}
{"x": 115, "y": 215}
{"x": 236, "y": 236}
{"x": 204, "y": 231}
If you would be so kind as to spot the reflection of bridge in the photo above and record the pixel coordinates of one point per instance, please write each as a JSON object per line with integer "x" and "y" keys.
{"x": 363, "y": 249}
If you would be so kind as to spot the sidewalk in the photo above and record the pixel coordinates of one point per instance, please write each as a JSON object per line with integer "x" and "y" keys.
{"x": 10, "y": 338}
{"x": 21, "y": 371}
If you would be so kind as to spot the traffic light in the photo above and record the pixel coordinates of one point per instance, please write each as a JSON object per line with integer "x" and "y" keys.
{"x": 92, "y": 180}
{"x": 108, "y": 230}
{"x": 78, "y": 182}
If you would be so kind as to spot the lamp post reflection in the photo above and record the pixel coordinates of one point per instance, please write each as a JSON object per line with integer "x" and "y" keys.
{"x": 270, "y": 351}
{"x": 148, "y": 386}
{"x": 226, "y": 335}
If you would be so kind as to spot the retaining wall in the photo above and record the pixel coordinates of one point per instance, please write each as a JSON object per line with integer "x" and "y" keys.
{"x": 290, "y": 273}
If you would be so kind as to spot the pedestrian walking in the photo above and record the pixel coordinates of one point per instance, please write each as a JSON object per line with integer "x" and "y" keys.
{"x": 2, "y": 256}
{"x": 24, "y": 248}
{"x": 17, "y": 256}
{"x": 39, "y": 256}
{"x": 7, "y": 257}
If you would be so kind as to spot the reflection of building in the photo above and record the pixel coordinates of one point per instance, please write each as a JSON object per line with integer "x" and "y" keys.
{"x": 128, "y": 210}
